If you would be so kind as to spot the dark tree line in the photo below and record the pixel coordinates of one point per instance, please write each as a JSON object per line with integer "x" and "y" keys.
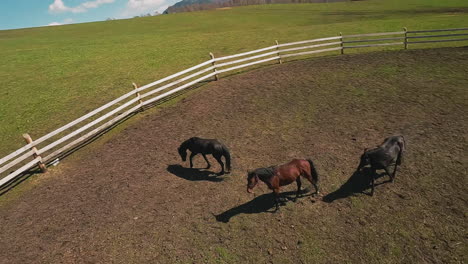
{"x": 230, "y": 3}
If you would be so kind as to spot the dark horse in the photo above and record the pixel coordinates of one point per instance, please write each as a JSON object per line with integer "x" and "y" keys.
{"x": 206, "y": 146}
{"x": 389, "y": 153}
{"x": 276, "y": 176}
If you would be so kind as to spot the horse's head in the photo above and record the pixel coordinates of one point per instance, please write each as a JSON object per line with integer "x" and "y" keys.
{"x": 182, "y": 153}
{"x": 252, "y": 181}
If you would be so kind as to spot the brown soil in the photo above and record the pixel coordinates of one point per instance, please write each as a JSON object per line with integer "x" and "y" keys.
{"x": 128, "y": 200}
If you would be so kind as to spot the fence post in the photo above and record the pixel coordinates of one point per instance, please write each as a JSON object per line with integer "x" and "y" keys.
{"x": 341, "y": 43}
{"x": 214, "y": 65}
{"x": 277, "y": 49}
{"x": 406, "y": 37}
{"x": 28, "y": 140}
{"x": 138, "y": 95}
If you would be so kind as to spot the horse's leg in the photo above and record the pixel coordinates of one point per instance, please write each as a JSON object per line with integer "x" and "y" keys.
{"x": 394, "y": 172}
{"x": 191, "y": 157}
{"x": 276, "y": 197}
{"x": 316, "y": 188}
{"x": 388, "y": 172}
{"x": 218, "y": 158}
{"x": 373, "y": 174}
{"x": 207, "y": 162}
{"x": 299, "y": 183}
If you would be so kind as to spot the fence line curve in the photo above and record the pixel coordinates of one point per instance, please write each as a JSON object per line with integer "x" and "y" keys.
{"x": 111, "y": 112}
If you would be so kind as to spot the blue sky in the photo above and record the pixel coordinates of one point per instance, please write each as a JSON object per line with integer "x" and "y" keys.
{"x": 36, "y": 13}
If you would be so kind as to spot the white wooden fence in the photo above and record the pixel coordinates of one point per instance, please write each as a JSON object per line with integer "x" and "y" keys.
{"x": 45, "y": 150}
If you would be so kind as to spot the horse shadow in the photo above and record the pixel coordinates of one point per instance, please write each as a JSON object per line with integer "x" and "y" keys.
{"x": 359, "y": 182}
{"x": 259, "y": 204}
{"x": 193, "y": 174}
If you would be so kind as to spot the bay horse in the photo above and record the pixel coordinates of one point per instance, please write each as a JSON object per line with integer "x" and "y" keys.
{"x": 389, "y": 153}
{"x": 203, "y": 146}
{"x": 276, "y": 176}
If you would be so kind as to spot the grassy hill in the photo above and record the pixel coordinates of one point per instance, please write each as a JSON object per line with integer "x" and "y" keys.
{"x": 51, "y": 75}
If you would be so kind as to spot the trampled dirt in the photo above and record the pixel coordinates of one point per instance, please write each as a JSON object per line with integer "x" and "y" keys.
{"x": 130, "y": 199}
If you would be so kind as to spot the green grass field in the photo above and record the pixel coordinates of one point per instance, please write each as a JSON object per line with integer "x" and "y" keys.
{"x": 51, "y": 75}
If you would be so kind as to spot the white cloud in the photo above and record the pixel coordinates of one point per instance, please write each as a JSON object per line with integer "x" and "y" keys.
{"x": 139, "y": 7}
{"x": 66, "y": 21}
{"x": 59, "y": 7}
{"x": 96, "y": 3}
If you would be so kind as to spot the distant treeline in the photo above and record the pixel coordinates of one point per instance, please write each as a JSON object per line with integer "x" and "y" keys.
{"x": 190, "y": 7}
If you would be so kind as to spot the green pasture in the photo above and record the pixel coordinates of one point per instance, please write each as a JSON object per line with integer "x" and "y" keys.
{"x": 51, "y": 75}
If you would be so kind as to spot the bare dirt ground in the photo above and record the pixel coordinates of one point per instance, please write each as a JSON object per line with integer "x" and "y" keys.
{"x": 131, "y": 200}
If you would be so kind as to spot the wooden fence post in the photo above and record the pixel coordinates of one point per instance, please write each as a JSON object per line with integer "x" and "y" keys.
{"x": 138, "y": 95}
{"x": 277, "y": 48}
{"x": 28, "y": 140}
{"x": 214, "y": 65}
{"x": 341, "y": 43}
{"x": 406, "y": 37}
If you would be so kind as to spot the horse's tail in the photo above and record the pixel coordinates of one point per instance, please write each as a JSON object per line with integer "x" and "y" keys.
{"x": 227, "y": 156}
{"x": 313, "y": 171}
{"x": 402, "y": 145}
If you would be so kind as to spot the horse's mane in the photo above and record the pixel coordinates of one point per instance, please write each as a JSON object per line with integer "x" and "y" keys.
{"x": 184, "y": 145}
{"x": 371, "y": 151}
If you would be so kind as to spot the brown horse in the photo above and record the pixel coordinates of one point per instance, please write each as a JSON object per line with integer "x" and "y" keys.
{"x": 276, "y": 176}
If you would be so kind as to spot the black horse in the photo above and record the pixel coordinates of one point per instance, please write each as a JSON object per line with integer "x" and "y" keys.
{"x": 206, "y": 146}
{"x": 389, "y": 153}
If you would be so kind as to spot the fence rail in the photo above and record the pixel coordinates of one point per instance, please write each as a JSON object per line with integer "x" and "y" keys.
{"x": 71, "y": 135}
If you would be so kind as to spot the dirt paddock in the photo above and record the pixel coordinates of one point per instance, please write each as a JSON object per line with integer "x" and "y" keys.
{"x": 130, "y": 199}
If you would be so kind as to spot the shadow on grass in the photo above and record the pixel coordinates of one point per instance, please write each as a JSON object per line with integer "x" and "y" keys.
{"x": 257, "y": 205}
{"x": 18, "y": 180}
{"x": 193, "y": 174}
{"x": 260, "y": 204}
{"x": 61, "y": 156}
{"x": 357, "y": 183}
